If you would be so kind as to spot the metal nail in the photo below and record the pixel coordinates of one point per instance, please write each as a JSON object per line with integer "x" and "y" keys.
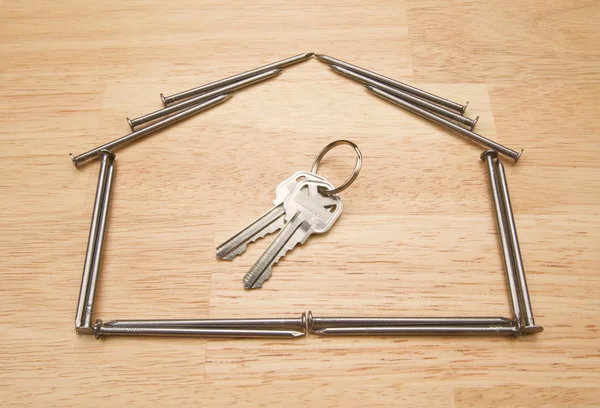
{"x": 528, "y": 326}
{"x": 103, "y": 330}
{"x": 489, "y": 156}
{"x": 271, "y": 323}
{"x": 106, "y": 161}
{"x": 95, "y": 273}
{"x": 329, "y": 322}
{"x": 167, "y": 100}
{"x": 115, "y": 144}
{"x": 133, "y": 123}
{"x": 395, "y": 84}
{"x": 452, "y": 126}
{"x": 407, "y": 97}
{"x": 419, "y": 331}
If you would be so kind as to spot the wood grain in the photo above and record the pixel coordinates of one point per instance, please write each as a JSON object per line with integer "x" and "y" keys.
{"x": 417, "y": 235}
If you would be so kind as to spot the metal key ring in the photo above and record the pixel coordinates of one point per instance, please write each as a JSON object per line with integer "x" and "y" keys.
{"x": 353, "y": 176}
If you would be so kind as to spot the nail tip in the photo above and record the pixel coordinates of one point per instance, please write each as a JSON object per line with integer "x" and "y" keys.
{"x": 339, "y": 70}
{"x": 379, "y": 92}
{"x": 532, "y": 329}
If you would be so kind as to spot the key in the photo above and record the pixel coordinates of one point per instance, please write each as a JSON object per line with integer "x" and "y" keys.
{"x": 269, "y": 222}
{"x": 307, "y": 212}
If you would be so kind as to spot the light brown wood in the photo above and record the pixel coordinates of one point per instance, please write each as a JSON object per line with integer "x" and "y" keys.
{"x": 417, "y": 235}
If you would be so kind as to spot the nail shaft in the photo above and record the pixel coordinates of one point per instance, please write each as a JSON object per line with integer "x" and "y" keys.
{"x": 407, "y": 97}
{"x": 529, "y": 326}
{"x": 327, "y": 322}
{"x": 97, "y": 264}
{"x": 168, "y": 100}
{"x": 115, "y": 144}
{"x": 395, "y": 84}
{"x": 419, "y": 331}
{"x": 452, "y": 126}
{"x": 106, "y": 160}
{"x": 488, "y": 157}
{"x": 298, "y": 324}
{"x": 161, "y": 113}
{"x": 103, "y": 329}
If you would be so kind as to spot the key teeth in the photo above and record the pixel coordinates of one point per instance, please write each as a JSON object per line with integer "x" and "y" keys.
{"x": 242, "y": 248}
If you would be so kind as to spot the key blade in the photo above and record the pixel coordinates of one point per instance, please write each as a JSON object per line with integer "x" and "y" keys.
{"x": 269, "y": 222}
{"x": 290, "y": 235}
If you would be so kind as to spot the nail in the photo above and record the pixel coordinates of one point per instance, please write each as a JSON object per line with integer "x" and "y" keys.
{"x": 419, "y": 331}
{"x": 97, "y": 264}
{"x": 407, "y": 97}
{"x": 452, "y": 126}
{"x": 330, "y": 322}
{"x": 529, "y": 326}
{"x": 133, "y": 123}
{"x": 104, "y": 330}
{"x": 167, "y": 100}
{"x": 122, "y": 141}
{"x": 489, "y": 156}
{"x": 395, "y": 84}
{"x": 271, "y": 323}
{"x": 106, "y": 160}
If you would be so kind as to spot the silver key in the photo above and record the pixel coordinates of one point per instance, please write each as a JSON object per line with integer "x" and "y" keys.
{"x": 269, "y": 222}
{"x": 307, "y": 212}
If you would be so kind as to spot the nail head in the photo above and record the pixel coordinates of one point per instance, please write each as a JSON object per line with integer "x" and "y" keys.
{"x": 492, "y": 153}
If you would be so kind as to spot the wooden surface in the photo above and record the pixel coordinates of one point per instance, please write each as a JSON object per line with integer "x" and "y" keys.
{"x": 416, "y": 237}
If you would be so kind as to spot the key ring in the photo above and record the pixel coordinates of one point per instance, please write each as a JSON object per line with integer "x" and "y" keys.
{"x": 353, "y": 176}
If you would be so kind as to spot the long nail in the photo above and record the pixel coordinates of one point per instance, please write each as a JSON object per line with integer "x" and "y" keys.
{"x": 271, "y": 323}
{"x": 97, "y": 264}
{"x": 407, "y": 97}
{"x": 489, "y": 156}
{"x": 103, "y": 330}
{"x": 133, "y": 123}
{"x": 167, "y": 100}
{"x": 395, "y": 84}
{"x": 122, "y": 141}
{"x": 529, "y": 326}
{"x": 452, "y": 126}
{"x": 419, "y": 331}
{"x": 106, "y": 161}
{"x": 330, "y": 322}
